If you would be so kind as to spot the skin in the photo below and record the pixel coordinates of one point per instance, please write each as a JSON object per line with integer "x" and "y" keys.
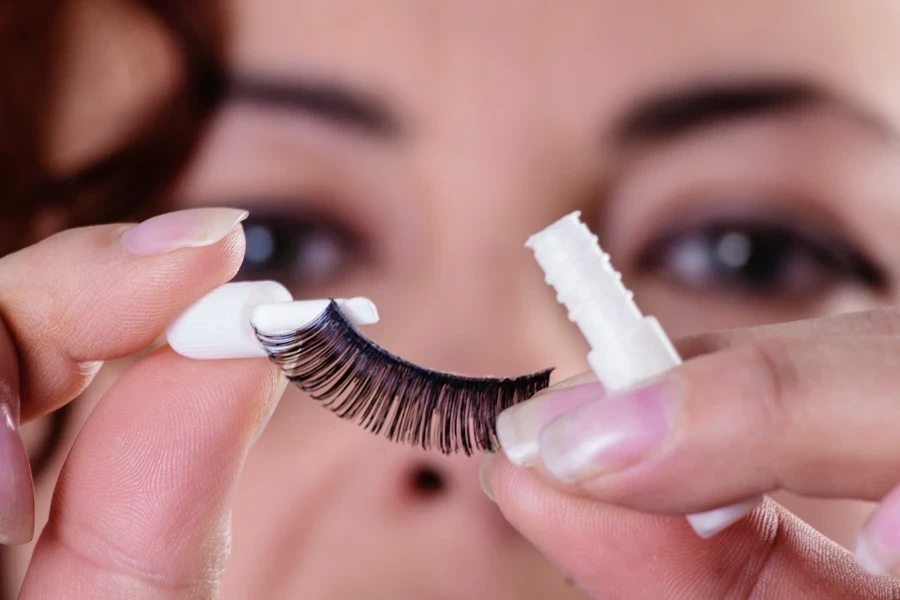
{"x": 509, "y": 117}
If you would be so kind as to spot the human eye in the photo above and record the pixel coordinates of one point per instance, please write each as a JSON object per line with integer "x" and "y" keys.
{"x": 300, "y": 249}
{"x": 759, "y": 257}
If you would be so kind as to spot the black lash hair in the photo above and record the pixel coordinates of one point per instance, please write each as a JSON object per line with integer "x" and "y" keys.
{"x": 362, "y": 382}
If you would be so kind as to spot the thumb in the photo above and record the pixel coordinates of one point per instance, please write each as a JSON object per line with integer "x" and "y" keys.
{"x": 142, "y": 507}
{"x": 613, "y": 552}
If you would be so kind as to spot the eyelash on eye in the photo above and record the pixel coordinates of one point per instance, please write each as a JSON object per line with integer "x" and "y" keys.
{"x": 278, "y": 242}
{"x": 360, "y": 381}
{"x": 827, "y": 248}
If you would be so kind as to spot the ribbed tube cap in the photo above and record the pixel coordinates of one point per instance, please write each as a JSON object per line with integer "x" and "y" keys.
{"x": 627, "y": 346}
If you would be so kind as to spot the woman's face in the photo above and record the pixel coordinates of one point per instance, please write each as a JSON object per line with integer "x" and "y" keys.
{"x": 738, "y": 159}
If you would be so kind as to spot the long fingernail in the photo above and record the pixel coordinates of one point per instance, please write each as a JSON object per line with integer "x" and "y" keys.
{"x": 518, "y": 427}
{"x": 484, "y": 475}
{"x": 878, "y": 544}
{"x": 192, "y": 228}
{"x": 270, "y": 407}
{"x": 16, "y": 486}
{"x": 609, "y": 435}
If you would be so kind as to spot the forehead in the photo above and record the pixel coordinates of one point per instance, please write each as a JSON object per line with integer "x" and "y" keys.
{"x": 572, "y": 56}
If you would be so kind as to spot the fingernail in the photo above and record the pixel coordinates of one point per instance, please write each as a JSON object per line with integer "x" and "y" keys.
{"x": 878, "y": 544}
{"x": 16, "y": 486}
{"x": 518, "y": 427}
{"x": 484, "y": 475}
{"x": 270, "y": 407}
{"x": 610, "y": 434}
{"x": 192, "y": 228}
{"x": 713, "y": 522}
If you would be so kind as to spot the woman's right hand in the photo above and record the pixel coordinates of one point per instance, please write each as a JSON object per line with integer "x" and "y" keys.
{"x": 142, "y": 504}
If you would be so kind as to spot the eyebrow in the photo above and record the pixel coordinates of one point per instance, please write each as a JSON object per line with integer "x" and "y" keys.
{"x": 669, "y": 115}
{"x": 327, "y": 100}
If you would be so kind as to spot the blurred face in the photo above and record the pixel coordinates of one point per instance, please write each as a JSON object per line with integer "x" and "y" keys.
{"x": 738, "y": 159}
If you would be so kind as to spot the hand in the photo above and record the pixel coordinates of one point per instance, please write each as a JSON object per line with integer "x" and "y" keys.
{"x": 141, "y": 508}
{"x": 811, "y": 407}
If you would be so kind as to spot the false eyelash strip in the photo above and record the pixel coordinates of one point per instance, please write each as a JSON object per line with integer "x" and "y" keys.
{"x": 364, "y": 383}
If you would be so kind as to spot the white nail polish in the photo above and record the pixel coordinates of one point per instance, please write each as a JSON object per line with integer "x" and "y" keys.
{"x": 713, "y": 522}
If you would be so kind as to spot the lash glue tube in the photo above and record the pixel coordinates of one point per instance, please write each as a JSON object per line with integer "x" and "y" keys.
{"x": 626, "y": 346}
{"x": 221, "y": 324}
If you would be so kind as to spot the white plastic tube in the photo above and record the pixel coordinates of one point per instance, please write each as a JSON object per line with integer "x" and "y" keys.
{"x": 626, "y": 346}
{"x": 221, "y": 324}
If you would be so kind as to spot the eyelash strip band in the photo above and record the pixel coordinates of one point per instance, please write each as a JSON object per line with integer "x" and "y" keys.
{"x": 318, "y": 347}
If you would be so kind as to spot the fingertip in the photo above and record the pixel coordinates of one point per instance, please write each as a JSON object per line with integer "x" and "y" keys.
{"x": 877, "y": 547}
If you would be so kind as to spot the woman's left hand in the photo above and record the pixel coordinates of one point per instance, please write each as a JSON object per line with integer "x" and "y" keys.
{"x": 810, "y": 407}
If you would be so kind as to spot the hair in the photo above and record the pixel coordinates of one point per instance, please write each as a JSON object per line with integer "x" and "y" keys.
{"x": 131, "y": 181}
{"x": 358, "y": 380}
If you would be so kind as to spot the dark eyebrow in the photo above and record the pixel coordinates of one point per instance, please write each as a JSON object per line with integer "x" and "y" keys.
{"x": 327, "y": 100}
{"x": 668, "y": 115}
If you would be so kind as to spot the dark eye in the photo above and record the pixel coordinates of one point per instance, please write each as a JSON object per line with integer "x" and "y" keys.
{"x": 297, "y": 251}
{"x": 759, "y": 259}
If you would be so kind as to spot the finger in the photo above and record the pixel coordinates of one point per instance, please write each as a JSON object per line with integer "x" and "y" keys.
{"x": 141, "y": 509}
{"x": 878, "y": 544}
{"x": 519, "y": 426}
{"x": 16, "y": 488}
{"x": 615, "y": 553}
{"x": 92, "y": 294}
{"x": 815, "y": 417}
{"x": 881, "y": 321}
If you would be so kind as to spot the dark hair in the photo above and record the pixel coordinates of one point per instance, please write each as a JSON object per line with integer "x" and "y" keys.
{"x": 129, "y": 182}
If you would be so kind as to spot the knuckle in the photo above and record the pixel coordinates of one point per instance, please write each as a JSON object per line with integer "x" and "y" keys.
{"x": 777, "y": 380}
{"x": 705, "y": 343}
